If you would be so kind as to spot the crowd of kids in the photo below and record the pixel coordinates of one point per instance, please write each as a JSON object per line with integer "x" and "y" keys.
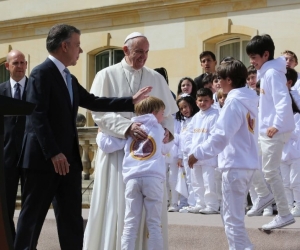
{"x": 236, "y": 135}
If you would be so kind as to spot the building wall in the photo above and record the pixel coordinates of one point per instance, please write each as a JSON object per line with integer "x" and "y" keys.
{"x": 178, "y": 30}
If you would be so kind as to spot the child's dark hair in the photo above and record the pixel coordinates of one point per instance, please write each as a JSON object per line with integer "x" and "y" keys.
{"x": 251, "y": 70}
{"x": 291, "y": 74}
{"x": 207, "y": 53}
{"x": 214, "y": 76}
{"x": 291, "y": 53}
{"x": 235, "y": 70}
{"x": 258, "y": 87}
{"x": 163, "y": 72}
{"x": 294, "y": 105}
{"x": 192, "y": 103}
{"x": 207, "y": 79}
{"x": 227, "y": 59}
{"x": 194, "y": 87}
{"x": 205, "y": 92}
{"x": 260, "y": 44}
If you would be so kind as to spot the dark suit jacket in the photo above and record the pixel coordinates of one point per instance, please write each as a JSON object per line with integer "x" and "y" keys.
{"x": 51, "y": 128}
{"x": 14, "y": 127}
{"x": 198, "y": 81}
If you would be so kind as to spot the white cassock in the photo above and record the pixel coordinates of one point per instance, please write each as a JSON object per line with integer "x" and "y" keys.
{"x": 106, "y": 217}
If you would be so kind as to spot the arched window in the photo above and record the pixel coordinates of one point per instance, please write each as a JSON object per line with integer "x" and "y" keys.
{"x": 107, "y": 58}
{"x": 4, "y": 74}
{"x": 235, "y": 47}
{"x": 99, "y": 59}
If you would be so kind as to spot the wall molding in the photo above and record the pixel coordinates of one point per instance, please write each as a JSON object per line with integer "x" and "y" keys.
{"x": 122, "y": 14}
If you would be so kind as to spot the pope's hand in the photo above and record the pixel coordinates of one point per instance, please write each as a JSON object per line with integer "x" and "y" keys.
{"x": 141, "y": 94}
{"x": 136, "y": 132}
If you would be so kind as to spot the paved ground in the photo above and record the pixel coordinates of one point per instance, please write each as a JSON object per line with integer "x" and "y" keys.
{"x": 195, "y": 231}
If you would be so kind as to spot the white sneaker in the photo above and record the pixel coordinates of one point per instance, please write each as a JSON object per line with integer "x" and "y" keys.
{"x": 279, "y": 221}
{"x": 180, "y": 206}
{"x": 260, "y": 204}
{"x": 208, "y": 210}
{"x": 268, "y": 211}
{"x": 173, "y": 208}
{"x": 296, "y": 211}
{"x": 194, "y": 210}
{"x": 184, "y": 210}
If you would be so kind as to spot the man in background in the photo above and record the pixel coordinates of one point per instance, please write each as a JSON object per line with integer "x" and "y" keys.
{"x": 208, "y": 63}
{"x": 14, "y": 127}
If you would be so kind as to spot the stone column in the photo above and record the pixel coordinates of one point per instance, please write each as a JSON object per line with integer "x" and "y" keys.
{"x": 87, "y": 142}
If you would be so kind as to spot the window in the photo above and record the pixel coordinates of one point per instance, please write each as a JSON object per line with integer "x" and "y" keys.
{"x": 107, "y": 58}
{"x": 235, "y": 47}
{"x": 4, "y": 74}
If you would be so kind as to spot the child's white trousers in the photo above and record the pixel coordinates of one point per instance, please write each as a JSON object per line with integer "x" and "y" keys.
{"x": 235, "y": 186}
{"x": 271, "y": 149}
{"x": 204, "y": 186}
{"x": 290, "y": 172}
{"x": 148, "y": 192}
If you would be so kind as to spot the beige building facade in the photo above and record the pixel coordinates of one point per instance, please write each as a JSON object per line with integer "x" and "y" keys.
{"x": 178, "y": 30}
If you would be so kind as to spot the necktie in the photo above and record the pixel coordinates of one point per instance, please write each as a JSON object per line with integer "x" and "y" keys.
{"x": 17, "y": 94}
{"x": 69, "y": 84}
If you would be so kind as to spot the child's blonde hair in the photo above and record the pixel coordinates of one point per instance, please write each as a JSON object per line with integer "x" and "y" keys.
{"x": 149, "y": 105}
{"x": 220, "y": 93}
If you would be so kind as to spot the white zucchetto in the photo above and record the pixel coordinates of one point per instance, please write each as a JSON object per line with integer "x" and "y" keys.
{"x": 133, "y": 35}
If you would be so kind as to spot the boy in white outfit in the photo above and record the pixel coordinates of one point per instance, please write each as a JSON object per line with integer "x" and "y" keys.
{"x": 290, "y": 159}
{"x": 276, "y": 122}
{"x": 203, "y": 172}
{"x": 291, "y": 62}
{"x": 234, "y": 142}
{"x": 143, "y": 173}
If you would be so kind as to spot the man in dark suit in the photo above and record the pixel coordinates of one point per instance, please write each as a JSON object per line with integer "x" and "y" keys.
{"x": 50, "y": 152}
{"x": 208, "y": 63}
{"x": 14, "y": 127}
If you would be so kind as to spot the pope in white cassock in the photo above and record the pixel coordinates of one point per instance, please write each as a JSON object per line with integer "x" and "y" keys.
{"x": 106, "y": 217}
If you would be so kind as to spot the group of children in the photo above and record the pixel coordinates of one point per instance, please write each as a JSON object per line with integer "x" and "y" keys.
{"x": 222, "y": 150}
{"x": 274, "y": 176}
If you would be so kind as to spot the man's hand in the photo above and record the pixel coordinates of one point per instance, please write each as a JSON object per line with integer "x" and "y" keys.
{"x": 192, "y": 160}
{"x": 141, "y": 94}
{"x": 61, "y": 164}
{"x": 167, "y": 136}
{"x": 271, "y": 131}
{"x": 136, "y": 132}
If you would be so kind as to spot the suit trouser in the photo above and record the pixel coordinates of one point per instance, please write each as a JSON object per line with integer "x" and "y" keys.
{"x": 40, "y": 189}
{"x": 12, "y": 175}
{"x": 235, "y": 186}
{"x": 147, "y": 192}
{"x": 290, "y": 172}
{"x": 271, "y": 149}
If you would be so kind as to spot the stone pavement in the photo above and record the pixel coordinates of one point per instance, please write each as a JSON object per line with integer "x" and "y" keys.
{"x": 195, "y": 231}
